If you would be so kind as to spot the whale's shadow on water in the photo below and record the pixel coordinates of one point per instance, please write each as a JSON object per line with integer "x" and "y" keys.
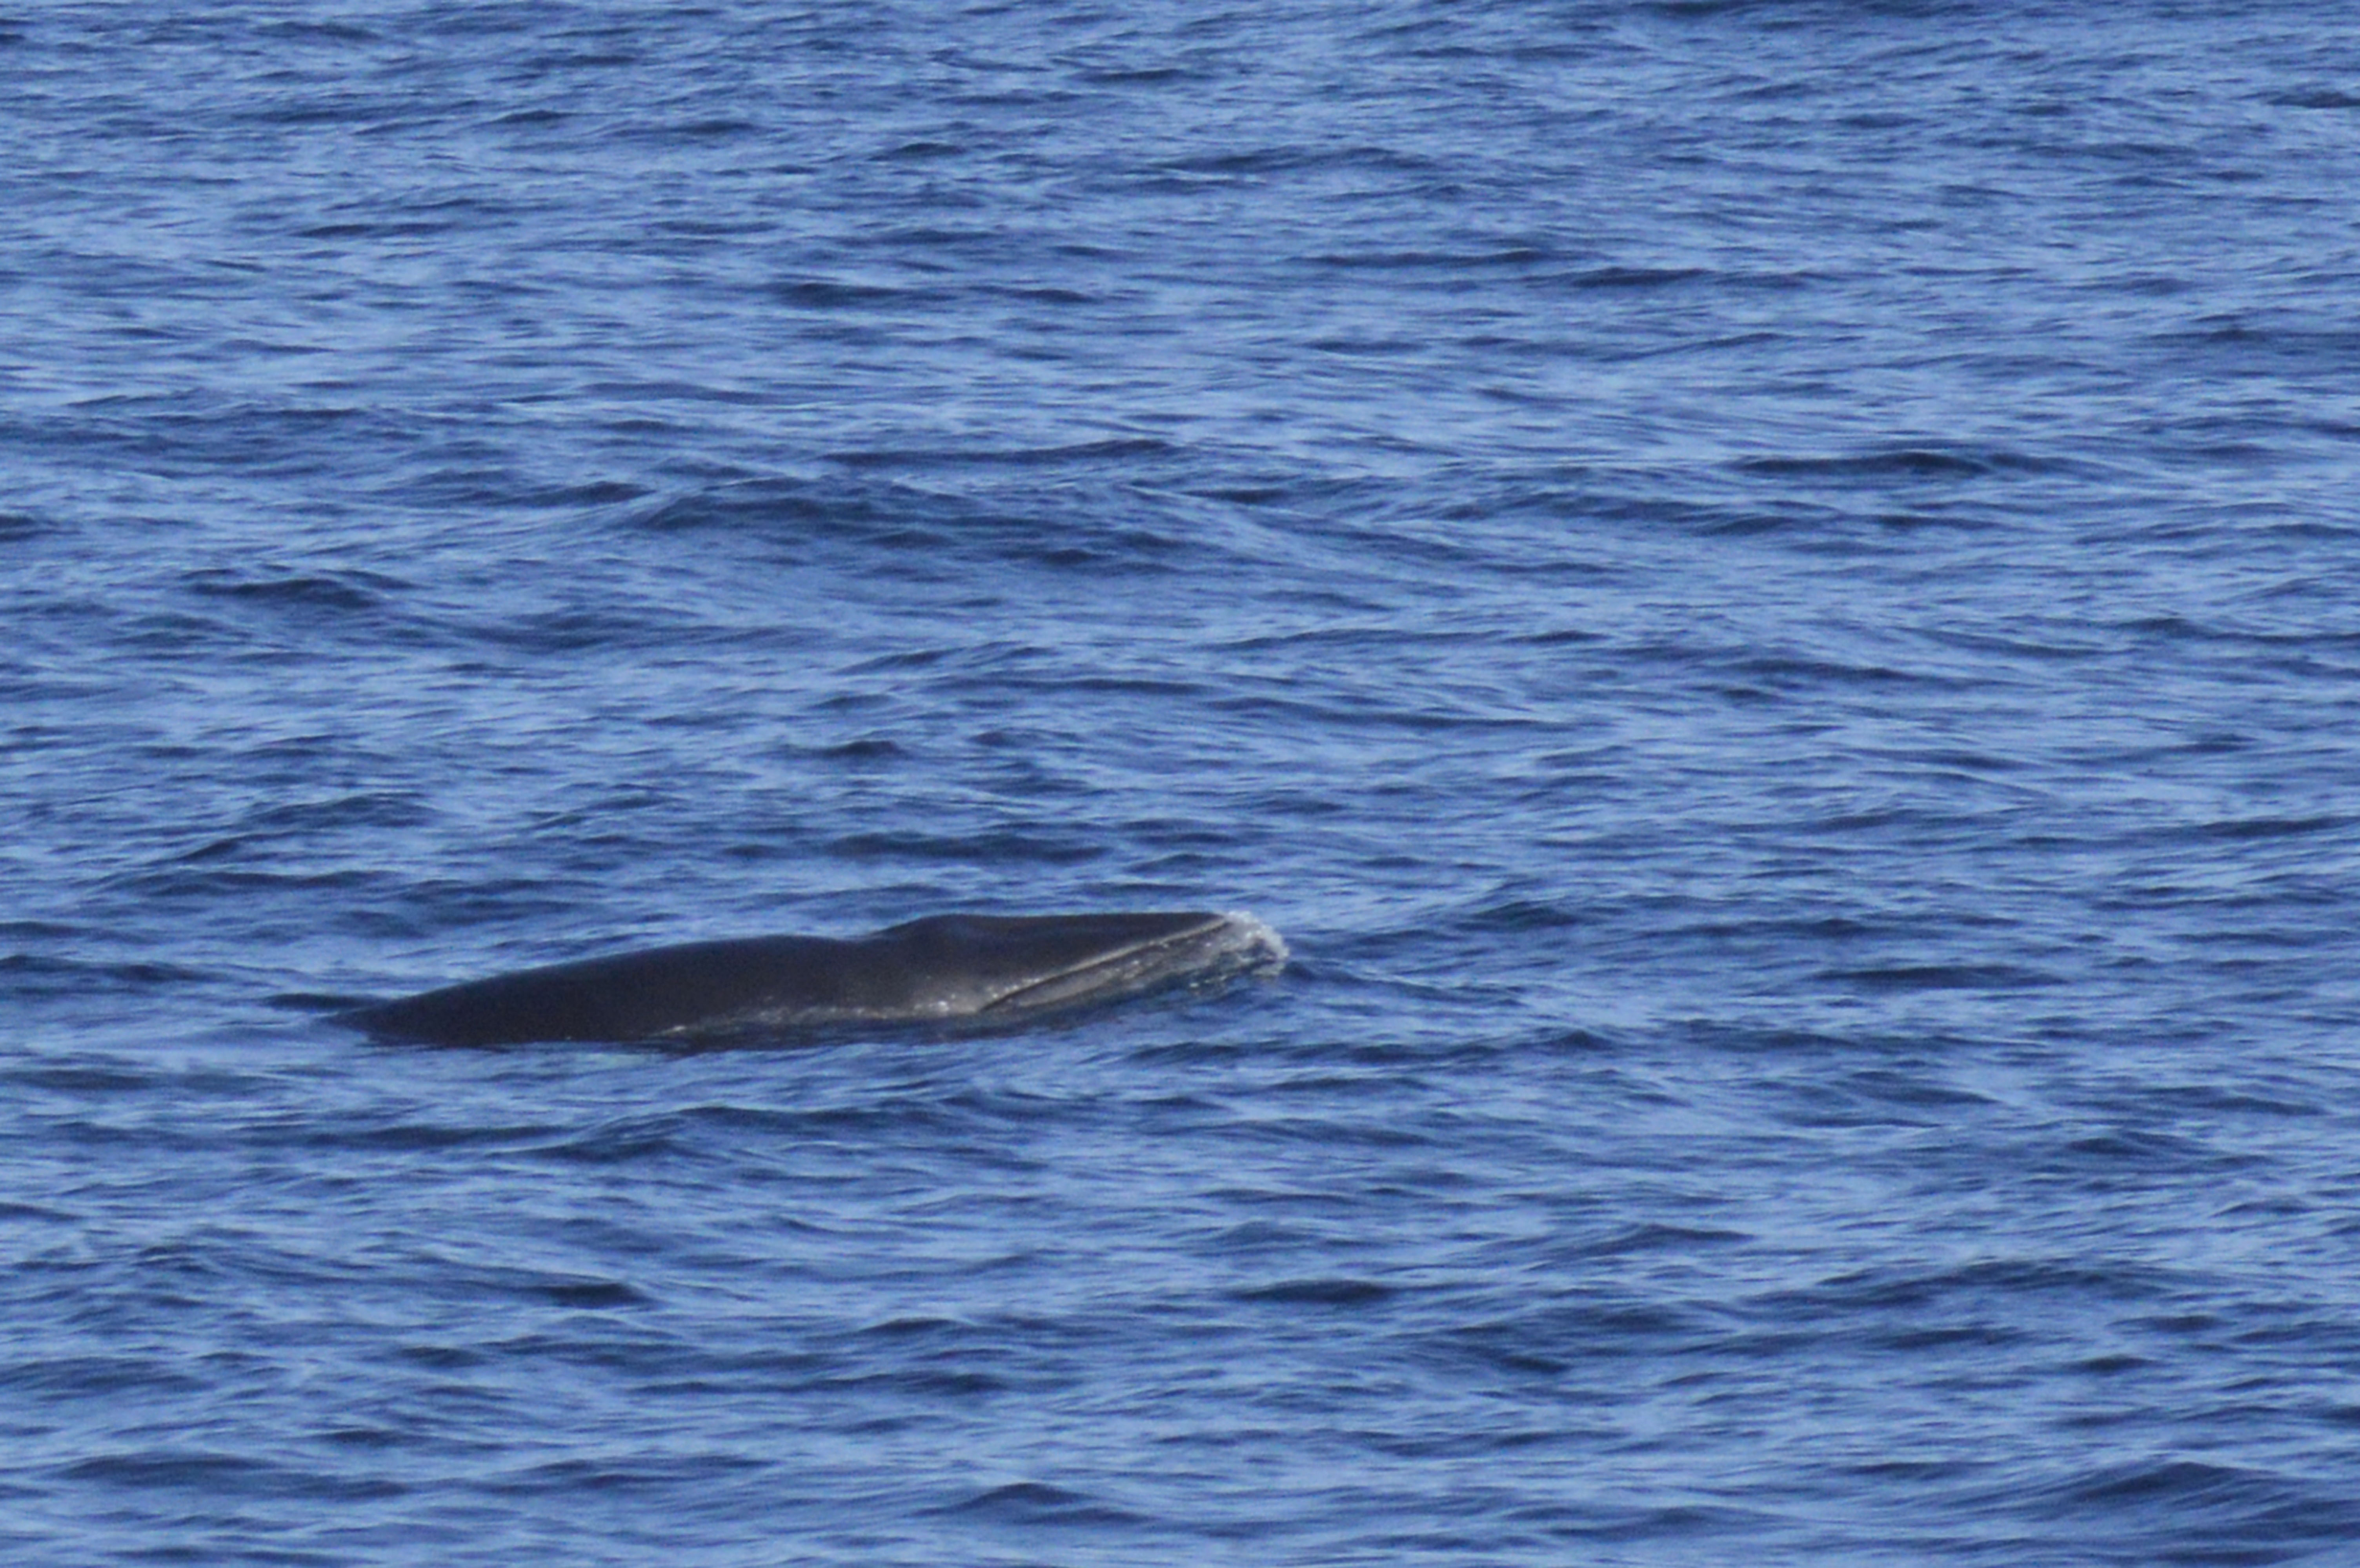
{"x": 946, "y": 975}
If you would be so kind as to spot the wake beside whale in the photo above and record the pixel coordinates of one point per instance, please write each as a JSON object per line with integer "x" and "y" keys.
{"x": 975, "y": 970}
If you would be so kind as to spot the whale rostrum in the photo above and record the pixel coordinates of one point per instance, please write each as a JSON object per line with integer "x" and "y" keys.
{"x": 979, "y": 970}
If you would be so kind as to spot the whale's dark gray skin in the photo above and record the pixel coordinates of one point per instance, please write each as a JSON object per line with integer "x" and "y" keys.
{"x": 944, "y": 969}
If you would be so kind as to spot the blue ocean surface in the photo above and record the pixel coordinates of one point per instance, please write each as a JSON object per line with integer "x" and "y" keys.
{"x": 1767, "y": 593}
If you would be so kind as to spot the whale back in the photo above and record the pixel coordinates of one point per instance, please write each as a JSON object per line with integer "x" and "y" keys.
{"x": 940, "y": 969}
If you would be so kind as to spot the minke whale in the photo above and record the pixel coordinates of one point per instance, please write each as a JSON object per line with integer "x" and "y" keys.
{"x": 971, "y": 971}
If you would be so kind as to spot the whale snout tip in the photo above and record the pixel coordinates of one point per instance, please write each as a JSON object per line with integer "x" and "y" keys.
{"x": 1255, "y": 940}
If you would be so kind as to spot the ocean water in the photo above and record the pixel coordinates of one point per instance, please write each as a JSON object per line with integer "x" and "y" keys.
{"x": 1767, "y": 593}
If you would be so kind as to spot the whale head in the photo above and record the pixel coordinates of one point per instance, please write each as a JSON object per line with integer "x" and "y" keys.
{"x": 1003, "y": 967}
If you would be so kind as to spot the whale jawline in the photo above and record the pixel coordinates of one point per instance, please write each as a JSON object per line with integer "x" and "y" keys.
{"x": 1233, "y": 944}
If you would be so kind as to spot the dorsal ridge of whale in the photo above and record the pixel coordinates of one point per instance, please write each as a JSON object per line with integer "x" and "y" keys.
{"x": 941, "y": 969}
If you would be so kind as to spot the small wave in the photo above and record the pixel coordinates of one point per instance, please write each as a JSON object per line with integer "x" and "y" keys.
{"x": 223, "y": 1475}
{"x": 1436, "y": 260}
{"x": 1943, "y": 977}
{"x": 1034, "y": 1503}
{"x": 1138, "y": 76}
{"x": 346, "y": 592}
{"x": 713, "y": 128}
{"x": 69, "y": 1078}
{"x": 1633, "y": 277}
{"x": 1655, "y": 1236}
{"x": 2241, "y": 828}
{"x": 831, "y": 294}
{"x": 2315, "y": 98}
{"x": 1526, "y": 914}
{"x": 40, "y": 971}
{"x": 1110, "y": 447}
{"x": 1995, "y": 1282}
{"x": 996, "y": 848}
{"x": 1321, "y": 1292}
{"x": 589, "y": 1295}
{"x": 626, "y": 1141}
{"x": 1905, "y": 462}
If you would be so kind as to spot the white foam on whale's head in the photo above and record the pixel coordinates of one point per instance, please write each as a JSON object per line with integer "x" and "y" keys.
{"x": 1257, "y": 947}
